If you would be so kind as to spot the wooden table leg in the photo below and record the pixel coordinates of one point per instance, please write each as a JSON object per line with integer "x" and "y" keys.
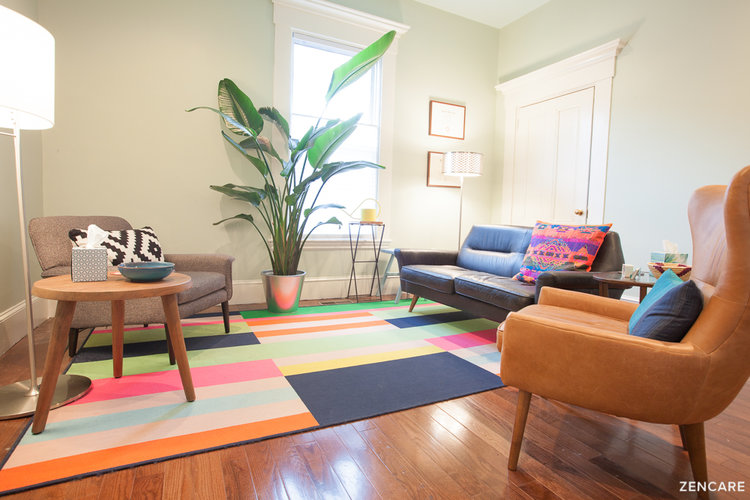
{"x": 172, "y": 313}
{"x": 58, "y": 342}
{"x": 644, "y": 290}
{"x": 603, "y": 289}
{"x": 118, "y": 328}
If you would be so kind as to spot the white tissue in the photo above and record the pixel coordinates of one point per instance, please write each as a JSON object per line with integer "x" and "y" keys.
{"x": 669, "y": 247}
{"x": 95, "y": 236}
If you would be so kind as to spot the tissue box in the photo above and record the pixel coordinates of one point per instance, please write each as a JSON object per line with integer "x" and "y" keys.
{"x": 676, "y": 258}
{"x": 88, "y": 264}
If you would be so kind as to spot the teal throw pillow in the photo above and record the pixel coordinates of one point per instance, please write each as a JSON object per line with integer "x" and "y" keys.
{"x": 666, "y": 282}
{"x": 670, "y": 317}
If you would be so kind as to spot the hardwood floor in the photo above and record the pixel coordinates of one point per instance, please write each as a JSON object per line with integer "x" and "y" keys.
{"x": 454, "y": 449}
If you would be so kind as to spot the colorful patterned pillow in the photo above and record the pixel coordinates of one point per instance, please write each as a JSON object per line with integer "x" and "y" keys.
{"x": 557, "y": 247}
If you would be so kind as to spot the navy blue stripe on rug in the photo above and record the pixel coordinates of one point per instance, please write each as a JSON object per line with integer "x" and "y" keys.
{"x": 346, "y": 394}
{"x": 430, "y": 319}
{"x": 134, "y": 349}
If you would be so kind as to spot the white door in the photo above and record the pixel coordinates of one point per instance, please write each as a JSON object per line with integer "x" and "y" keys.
{"x": 551, "y": 161}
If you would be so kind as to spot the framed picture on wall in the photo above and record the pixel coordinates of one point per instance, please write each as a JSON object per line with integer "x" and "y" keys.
{"x": 447, "y": 120}
{"x": 435, "y": 176}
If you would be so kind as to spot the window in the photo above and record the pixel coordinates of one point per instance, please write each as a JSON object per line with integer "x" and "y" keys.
{"x": 313, "y": 61}
{"x": 328, "y": 34}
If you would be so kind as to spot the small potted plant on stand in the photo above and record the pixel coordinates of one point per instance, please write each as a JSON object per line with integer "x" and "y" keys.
{"x": 289, "y": 196}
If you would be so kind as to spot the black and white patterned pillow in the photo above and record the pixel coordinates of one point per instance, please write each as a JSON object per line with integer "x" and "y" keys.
{"x": 132, "y": 245}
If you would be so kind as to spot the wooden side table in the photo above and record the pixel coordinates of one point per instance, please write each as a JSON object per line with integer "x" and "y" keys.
{"x": 117, "y": 289}
{"x": 614, "y": 279}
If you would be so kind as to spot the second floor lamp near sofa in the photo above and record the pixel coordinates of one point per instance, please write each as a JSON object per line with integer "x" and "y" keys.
{"x": 27, "y": 102}
{"x": 462, "y": 164}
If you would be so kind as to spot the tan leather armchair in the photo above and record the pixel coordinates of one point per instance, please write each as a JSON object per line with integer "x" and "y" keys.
{"x": 211, "y": 277}
{"x": 574, "y": 347}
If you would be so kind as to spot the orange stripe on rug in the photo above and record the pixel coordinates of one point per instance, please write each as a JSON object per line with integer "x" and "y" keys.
{"x": 322, "y": 328}
{"x": 41, "y": 472}
{"x": 305, "y": 317}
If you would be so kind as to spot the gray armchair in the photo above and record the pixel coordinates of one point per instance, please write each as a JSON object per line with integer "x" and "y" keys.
{"x": 211, "y": 277}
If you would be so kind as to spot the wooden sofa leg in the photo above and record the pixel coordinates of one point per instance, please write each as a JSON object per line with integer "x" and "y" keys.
{"x": 225, "y": 314}
{"x": 72, "y": 341}
{"x": 695, "y": 441}
{"x": 169, "y": 346}
{"x": 522, "y": 411}
{"x": 413, "y": 303}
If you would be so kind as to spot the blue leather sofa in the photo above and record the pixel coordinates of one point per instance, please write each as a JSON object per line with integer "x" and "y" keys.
{"x": 478, "y": 278}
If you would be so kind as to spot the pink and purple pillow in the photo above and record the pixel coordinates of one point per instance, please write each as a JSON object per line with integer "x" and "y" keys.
{"x": 558, "y": 247}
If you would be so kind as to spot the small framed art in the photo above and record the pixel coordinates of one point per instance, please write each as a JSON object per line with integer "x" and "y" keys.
{"x": 435, "y": 176}
{"x": 447, "y": 120}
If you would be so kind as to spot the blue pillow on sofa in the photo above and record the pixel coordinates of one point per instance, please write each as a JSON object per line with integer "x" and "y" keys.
{"x": 666, "y": 282}
{"x": 670, "y": 317}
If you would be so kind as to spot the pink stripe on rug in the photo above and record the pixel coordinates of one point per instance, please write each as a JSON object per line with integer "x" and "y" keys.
{"x": 151, "y": 383}
{"x": 464, "y": 340}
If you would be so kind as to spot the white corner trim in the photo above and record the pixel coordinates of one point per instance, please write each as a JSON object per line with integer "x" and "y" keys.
{"x": 338, "y": 13}
{"x": 13, "y": 321}
{"x": 598, "y": 63}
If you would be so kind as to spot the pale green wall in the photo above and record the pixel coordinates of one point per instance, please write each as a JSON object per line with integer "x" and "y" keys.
{"x": 123, "y": 144}
{"x": 680, "y": 101}
{"x": 11, "y": 268}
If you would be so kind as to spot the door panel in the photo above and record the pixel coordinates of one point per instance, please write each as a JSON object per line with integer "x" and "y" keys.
{"x": 551, "y": 161}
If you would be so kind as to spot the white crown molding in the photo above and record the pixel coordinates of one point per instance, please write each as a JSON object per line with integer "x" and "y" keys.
{"x": 340, "y": 13}
{"x": 581, "y": 69}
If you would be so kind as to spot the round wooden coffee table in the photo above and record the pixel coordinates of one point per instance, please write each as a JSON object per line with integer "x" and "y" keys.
{"x": 614, "y": 279}
{"x": 116, "y": 289}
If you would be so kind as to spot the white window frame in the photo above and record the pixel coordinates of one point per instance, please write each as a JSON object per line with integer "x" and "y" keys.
{"x": 326, "y": 20}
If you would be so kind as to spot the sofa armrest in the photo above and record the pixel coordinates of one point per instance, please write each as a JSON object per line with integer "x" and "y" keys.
{"x": 56, "y": 271}
{"x": 408, "y": 257}
{"x": 212, "y": 262}
{"x": 569, "y": 280}
{"x": 586, "y": 302}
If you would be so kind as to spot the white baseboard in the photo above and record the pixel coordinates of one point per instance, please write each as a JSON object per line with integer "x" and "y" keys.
{"x": 319, "y": 287}
{"x": 13, "y": 321}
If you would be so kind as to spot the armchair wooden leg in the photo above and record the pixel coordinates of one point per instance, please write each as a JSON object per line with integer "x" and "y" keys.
{"x": 170, "y": 351}
{"x": 682, "y": 437}
{"x": 225, "y": 314}
{"x": 72, "y": 341}
{"x": 522, "y": 411}
{"x": 413, "y": 303}
{"x": 695, "y": 441}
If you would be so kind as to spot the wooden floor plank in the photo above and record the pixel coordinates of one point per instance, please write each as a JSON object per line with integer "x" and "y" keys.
{"x": 238, "y": 481}
{"x": 264, "y": 471}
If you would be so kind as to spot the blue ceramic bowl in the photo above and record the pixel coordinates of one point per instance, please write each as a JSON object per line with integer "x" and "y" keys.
{"x": 146, "y": 271}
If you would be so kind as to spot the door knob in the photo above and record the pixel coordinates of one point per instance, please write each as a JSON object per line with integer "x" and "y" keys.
{"x": 578, "y": 211}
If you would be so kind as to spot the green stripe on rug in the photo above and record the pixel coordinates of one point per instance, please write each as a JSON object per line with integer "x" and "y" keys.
{"x": 265, "y": 313}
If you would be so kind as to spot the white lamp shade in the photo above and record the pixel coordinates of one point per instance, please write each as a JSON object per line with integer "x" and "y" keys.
{"x": 462, "y": 163}
{"x": 27, "y": 73}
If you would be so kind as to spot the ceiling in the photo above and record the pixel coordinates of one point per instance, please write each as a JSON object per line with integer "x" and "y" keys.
{"x": 495, "y": 13}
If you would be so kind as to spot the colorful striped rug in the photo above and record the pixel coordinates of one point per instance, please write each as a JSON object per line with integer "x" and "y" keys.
{"x": 272, "y": 375}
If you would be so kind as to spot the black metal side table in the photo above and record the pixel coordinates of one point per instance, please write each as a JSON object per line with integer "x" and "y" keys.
{"x": 356, "y": 237}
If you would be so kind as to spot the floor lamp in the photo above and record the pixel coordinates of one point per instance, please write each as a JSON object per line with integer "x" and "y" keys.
{"x": 462, "y": 164}
{"x": 27, "y": 102}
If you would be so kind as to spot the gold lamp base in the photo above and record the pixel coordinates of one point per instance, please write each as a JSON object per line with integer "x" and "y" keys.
{"x": 18, "y": 400}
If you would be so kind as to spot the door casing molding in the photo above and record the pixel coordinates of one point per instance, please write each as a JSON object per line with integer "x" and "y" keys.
{"x": 592, "y": 68}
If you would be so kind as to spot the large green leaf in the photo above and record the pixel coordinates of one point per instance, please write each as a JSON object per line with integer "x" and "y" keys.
{"x": 331, "y": 169}
{"x": 263, "y": 144}
{"x": 246, "y": 217}
{"x": 254, "y": 196}
{"x": 275, "y": 116}
{"x": 354, "y": 68}
{"x": 308, "y": 211}
{"x": 234, "y": 102}
{"x": 328, "y": 142}
{"x": 258, "y": 163}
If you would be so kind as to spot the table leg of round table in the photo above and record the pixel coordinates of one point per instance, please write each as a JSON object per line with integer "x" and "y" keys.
{"x": 603, "y": 289}
{"x": 58, "y": 342}
{"x": 172, "y": 313}
{"x": 118, "y": 329}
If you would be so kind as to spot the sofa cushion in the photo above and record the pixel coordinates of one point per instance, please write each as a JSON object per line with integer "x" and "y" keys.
{"x": 439, "y": 278}
{"x": 203, "y": 283}
{"x": 499, "y": 291}
{"x": 558, "y": 247}
{"x": 495, "y": 249}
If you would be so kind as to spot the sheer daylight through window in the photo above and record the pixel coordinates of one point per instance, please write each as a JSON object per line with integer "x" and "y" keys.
{"x": 314, "y": 60}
